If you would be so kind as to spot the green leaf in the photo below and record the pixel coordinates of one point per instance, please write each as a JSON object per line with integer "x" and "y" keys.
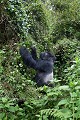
{"x": 7, "y": 105}
{"x": 20, "y": 113}
{"x": 66, "y": 112}
{"x": 63, "y": 102}
{"x": 1, "y": 106}
{"x": 16, "y": 108}
{"x": 45, "y": 117}
{"x": 2, "y": 115}
{"x": 4, "y": 99}
{"x": 12, "y": 109}
{"x": 64, "y": 87}
{"x": 77, "y": 87}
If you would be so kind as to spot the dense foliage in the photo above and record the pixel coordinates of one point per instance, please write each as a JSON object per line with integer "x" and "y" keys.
{"x": 49, "y": 25}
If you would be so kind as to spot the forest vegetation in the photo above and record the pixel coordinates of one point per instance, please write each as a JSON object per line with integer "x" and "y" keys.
{"x": 48, "y": 25}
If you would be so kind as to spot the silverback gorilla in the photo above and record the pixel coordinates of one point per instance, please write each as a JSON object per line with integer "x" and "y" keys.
{"x": 43, "y": 65}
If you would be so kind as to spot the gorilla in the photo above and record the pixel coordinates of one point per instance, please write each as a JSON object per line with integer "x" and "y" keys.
{"x": 43, "y": 65}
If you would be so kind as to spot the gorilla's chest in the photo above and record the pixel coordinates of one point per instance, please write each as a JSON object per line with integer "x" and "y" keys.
{"x": 46, "y": 77}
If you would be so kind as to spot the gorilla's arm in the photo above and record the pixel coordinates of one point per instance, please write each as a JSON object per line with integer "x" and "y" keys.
{"x": 33, "y": 53}
{"x": 27, "y": 57}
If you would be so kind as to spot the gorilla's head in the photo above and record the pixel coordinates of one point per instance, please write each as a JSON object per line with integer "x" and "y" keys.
{"x": 47, "y": 56}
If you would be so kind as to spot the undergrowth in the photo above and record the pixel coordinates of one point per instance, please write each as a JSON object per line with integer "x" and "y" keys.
{"x": 49, "y": 26}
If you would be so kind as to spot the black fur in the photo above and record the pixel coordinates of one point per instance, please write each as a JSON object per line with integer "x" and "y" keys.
{"x": 43, "y": 65}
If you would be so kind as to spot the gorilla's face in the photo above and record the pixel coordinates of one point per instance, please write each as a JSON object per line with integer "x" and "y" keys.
{"x": 47, "y": 56}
